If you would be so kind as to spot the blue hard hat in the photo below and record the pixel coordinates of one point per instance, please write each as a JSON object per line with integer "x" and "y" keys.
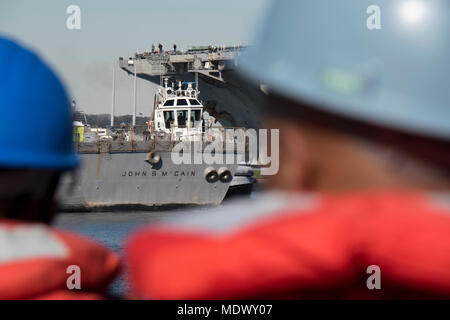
{"x": 385, "y": 62}
{"x": 35, "y": 113}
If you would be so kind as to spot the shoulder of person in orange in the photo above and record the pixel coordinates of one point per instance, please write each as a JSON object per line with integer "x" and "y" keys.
{"x": 311, "y": 246}
{"x": 37, "y": 261}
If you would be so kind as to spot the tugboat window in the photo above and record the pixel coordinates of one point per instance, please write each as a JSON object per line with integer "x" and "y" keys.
{"x": 196, "y": 117}
{"x": 168, "y": 103}
{"x": 182, "y": 116}
{"x": 194, "y": 102}
{"x": 182, "y": 102}
{"x": 169, "y": 119}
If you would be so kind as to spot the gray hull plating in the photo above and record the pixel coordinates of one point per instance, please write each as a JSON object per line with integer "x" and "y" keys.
{"x": 113, "y": 179}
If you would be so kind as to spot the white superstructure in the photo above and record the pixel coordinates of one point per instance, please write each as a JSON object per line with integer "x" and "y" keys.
{"x": 179, "y": 112}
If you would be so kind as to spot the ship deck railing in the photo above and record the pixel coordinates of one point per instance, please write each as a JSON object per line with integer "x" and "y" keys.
{"x": 141, "y": 139}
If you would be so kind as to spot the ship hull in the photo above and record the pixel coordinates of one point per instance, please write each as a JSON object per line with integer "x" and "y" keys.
{"x": 126, "y": 179}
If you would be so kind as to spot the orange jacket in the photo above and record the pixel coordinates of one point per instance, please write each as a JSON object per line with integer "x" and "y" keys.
{"x": 34, "y": 262}
{"x": 302, "y": 246}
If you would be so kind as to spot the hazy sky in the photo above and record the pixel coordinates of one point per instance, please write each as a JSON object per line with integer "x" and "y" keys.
{"x": 110, "y": 29}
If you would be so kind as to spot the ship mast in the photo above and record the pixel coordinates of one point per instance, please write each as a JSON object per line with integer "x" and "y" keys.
{"x": 134, "y": 94}
{"x": 113, "y": 95}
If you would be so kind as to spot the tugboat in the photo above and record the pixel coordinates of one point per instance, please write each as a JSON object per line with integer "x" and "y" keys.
{"x": 135, "y": 167}
{"x": 178, "y": 113}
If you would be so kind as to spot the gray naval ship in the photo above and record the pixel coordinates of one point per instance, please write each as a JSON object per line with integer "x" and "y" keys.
{"x": 227, "y": 97}
{"x": 131, "y": 166}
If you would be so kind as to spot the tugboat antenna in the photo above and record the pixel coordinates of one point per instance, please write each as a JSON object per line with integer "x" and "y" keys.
{"x": 196, "y": 81}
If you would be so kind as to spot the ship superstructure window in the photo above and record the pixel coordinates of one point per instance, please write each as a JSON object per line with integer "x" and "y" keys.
{"x": 169, "y": 103}
{"x": 196, "y": 115}
{"x": 194, "y": 102}
{"x": 196, "y": 118}
{"x": 182, "y": 116}
{"x": 169, "y": 119}
{"x": 182, "y": 102}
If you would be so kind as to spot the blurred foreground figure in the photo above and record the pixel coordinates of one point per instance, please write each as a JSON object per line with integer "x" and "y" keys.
{"x": 37, "y": 262}
{"x": 362, "y": 206}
